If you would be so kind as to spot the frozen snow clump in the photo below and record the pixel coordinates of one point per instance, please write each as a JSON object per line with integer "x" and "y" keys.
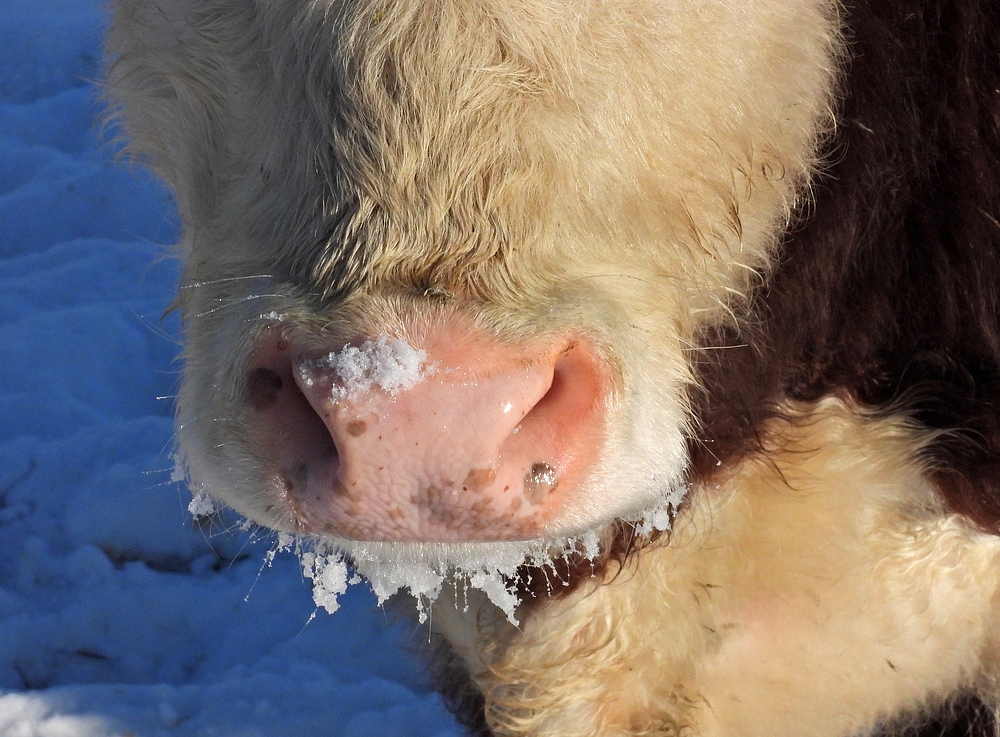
{"x": 394, "y": 365}
{"x": 201, "y": 505}
{"x": 423, "y": 568}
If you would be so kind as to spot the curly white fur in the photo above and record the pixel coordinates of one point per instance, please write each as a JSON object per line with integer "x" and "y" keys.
{"x": 815, "y": 591}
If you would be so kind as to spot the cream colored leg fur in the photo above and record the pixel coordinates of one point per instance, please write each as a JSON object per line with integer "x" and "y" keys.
{"x": 813, "y": 591}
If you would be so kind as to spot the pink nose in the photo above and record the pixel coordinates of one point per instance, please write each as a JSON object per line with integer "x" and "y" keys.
{"x": 459, "y": 438}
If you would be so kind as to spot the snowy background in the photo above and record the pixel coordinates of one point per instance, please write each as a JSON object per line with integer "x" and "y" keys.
{"x": 118, "y": 615}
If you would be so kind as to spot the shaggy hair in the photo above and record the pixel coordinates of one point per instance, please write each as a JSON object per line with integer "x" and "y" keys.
{"x": 818, "y": 588}
{"x": 777, "y": 221}
{"x": 616, "y": 170}
{"x": 887, "y": 288}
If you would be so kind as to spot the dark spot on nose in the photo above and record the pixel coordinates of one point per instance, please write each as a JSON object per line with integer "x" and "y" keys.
{"x": 263, "y": 387}
{"x": 539, "y": 482}
{"x": 356, "y": 428}
{"x": 478, "y": 479}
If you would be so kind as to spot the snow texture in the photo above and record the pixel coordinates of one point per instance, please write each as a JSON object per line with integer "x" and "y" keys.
{"x": 422, "y": 568}
{"x": 119, "y": 613}
{"x": 392, "y": 365}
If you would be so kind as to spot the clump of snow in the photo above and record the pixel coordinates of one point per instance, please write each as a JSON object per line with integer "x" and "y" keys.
{"x": 178, "y": 474}
{"x": 393, "y": 365}
{"x": 283, "y": 545}
{"x": 423, "y": 568}
{"x": 591, "y": 543}
{"x": 202, "y": 505}
{"x": 660, "y": 517}
{"x": 329, "y": 577}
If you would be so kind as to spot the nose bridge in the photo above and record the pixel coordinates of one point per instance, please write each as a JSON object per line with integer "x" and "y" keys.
{"x": 446, "y": 404}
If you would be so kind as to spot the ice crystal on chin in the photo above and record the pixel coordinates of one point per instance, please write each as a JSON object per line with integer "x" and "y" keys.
{"x": 423, "y": 568}
{"x": 660, "y": 517}
{"x": 202, "y": 505}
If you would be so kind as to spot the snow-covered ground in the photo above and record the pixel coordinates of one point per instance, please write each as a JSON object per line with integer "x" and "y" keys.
{"x": 119, "y": 615}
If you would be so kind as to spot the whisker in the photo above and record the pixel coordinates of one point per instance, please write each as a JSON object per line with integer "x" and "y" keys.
{"x": 611, "y": 276}
{"x": 238, "y": 302}
{"x": 156, "y": 329}
{"x": 715, "y": 347}
{"x": 225, "y": 280}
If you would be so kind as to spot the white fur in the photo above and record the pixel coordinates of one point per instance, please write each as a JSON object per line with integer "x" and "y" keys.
{"x": 617, "y": 169}
{"x": 815, "y": 591}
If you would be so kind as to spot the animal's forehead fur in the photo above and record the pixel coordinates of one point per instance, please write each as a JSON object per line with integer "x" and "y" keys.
{"x": 468, "y": 139}
{"x": 470, "y": 147}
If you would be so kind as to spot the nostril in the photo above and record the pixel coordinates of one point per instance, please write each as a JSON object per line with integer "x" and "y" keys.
{"x": 289, "y": 429}
{"x": 539, "y": 482}
{"x": 306, "y": 432}
{"x": 570, "y": 395}
{"x": 555, "y": 438}
{"x": 263, "y": 387}
{"x": 570, "y": 375}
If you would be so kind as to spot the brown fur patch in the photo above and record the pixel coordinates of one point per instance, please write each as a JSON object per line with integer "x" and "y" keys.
{"x": 888, "y": 288}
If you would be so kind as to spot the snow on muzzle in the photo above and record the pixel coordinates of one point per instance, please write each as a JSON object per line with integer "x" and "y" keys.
{"x": 458, "y": 438}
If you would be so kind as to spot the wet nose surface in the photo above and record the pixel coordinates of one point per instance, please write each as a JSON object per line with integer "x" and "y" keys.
{"x": 461, "y": 438}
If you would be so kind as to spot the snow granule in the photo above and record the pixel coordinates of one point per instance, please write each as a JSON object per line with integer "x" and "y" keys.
{"x": 178, "y": 474}
{"x": 393, "y": 365}
{"x": 329, "y": 577}
{"x": 660, "y": 517}
{"x": 202, "y": 505}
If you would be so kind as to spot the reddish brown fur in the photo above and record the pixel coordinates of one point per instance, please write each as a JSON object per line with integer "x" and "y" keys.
{"x": 888, "y": 289}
